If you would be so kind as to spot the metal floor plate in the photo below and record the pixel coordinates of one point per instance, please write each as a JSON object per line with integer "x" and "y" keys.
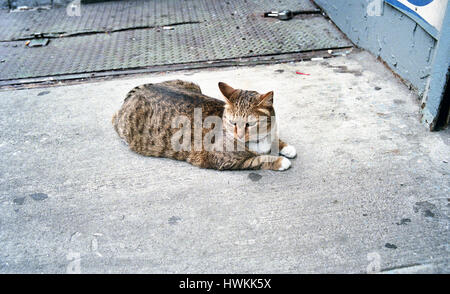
{"x": 223, "y": 35}
{"x": 120, "y": 15}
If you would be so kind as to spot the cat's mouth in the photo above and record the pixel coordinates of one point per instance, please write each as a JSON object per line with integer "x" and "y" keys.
{"x": 258, "y": 138}
{"x": 250, "y": 139}
{"x": 233, "y": 136}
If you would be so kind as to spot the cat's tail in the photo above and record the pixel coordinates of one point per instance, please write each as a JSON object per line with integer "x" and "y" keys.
{"x": 114, "y": 121}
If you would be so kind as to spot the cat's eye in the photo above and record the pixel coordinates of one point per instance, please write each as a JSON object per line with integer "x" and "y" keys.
{"x": 250, "y": 124}
{"x": 232, "y": 122}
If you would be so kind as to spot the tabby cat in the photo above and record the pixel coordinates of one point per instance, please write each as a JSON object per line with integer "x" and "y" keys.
{"x": 147, "y": 123}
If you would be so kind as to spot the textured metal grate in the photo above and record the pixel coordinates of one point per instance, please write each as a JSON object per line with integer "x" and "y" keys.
{"x": 219, "y": 38}
{"x": 119, "y": 15}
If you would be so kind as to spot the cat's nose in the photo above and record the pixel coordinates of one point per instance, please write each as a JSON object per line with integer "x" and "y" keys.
{"x": 240, "y": 133}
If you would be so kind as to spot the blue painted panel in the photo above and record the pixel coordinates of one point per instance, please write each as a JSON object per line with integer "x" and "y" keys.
{"x": 441, "y": 65}
{"x": 402, "y": 6}
{"x": 415, "y": 16}
{"x": 429, "y": 14}
{"x": 404, "y": 45}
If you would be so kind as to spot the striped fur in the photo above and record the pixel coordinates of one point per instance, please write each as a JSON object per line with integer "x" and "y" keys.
{"x": 144, "y": 122}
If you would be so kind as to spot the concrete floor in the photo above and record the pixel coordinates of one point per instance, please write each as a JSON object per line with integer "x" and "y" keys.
{"x": 368, "y": 191}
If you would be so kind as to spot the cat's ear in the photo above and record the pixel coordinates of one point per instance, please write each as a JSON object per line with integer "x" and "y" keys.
{"x": 266, "y": 99}
{"x": 226, "y": 91}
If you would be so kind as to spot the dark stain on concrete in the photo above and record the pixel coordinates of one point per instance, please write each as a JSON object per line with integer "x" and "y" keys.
{"x": 43, "y": 93}
{"x": 390, "y": 246}
{"x": 342, "y": 69}
{"x": 254, "y": 177}
{"x": 383, "y": 115}
{"x": 174, "y": 220}
{"x": 377, "y": 88}
{"x": 343, "y": 238}
{"x": 19, "y": 200}
{"x": 39, "y": 196}
{"x": 426, "y": 208}
{"x": 398, "y": 101}
{"x": 428, "y": 213}
{"x": 279, "y": 70}
{"x": 404, "y": 221}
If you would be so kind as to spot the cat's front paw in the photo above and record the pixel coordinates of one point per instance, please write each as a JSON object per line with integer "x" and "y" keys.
{"x": 288, "y": 151}
{"x": 283, "y": 164}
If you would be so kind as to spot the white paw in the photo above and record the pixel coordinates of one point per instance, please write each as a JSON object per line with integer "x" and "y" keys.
{"x": 285, "y": 164}
{"x": 288, "y": 151}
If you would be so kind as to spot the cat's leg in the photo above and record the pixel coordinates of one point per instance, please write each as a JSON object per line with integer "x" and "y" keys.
{"x": 286, "y": 149}
{"x": 248, "y": 160}
{"x": 271, "y": 162}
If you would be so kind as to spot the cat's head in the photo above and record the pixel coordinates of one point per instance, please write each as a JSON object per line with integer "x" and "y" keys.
{"x": 248, "y": 115}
